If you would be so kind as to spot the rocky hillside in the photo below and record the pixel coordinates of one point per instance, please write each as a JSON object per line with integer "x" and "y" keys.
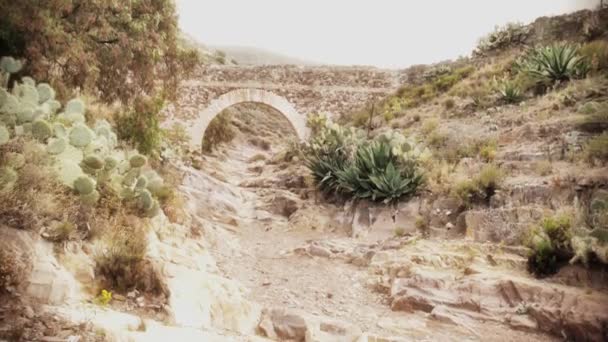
{"x": 469, "y": 205}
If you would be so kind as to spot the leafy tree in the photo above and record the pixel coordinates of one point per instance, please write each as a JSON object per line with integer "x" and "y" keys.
{"x": 114, "y": 49}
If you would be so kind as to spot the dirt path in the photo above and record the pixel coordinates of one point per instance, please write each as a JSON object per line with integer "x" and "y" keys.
{"x": 262, "y": 259}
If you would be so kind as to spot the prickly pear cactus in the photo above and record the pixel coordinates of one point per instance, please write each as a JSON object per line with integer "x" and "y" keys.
{"x": 8, "y": 177}
{"x": 59, "y": 130}
{"x": 84, "y": 156}
{"x": 84, "y": 185}
{"x": 75, "y": 106}
{"x": 42, "y": 130}
{"x": 15, "y": 160}
{"x": 110, "y": 163}
{"x": 90, "y": 199}
{"x": 94, "y": 162}
{"x": 45, "y": 93}
{"x": 5, "y": 136}
{"x": 145, "y": 201}
{"x": 138, "y": 161}
{"x": 10, "y": 65}
{"x": 80, "y": 135}
{"x": 57, "y": 145}
{"x": 141, "y": 183}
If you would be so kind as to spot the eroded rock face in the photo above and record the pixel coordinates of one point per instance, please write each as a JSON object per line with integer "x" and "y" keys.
{"x": 501, "y": 225}
{"x": 46, "y": 280}
{"x": 466, "y": 285}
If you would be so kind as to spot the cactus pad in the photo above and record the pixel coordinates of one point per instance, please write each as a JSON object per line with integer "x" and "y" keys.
{"x": 75, "y": 106}
{"x": 10, "y": 65}
{"x": 80, "y": 135}
{"x": 84, "y": 185}
{"x": 91, "y": 198}
{"x": 41, "y": 130}
{"x": 57, "y": 145}
{"x": 45, "y": 92}
{"x": 5, "y": 136}
{"x": 93, "y": 162}
{"x": 138, "y": 161}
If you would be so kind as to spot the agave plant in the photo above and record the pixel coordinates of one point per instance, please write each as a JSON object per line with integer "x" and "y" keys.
{"x": 555, "y": 63}
{"x": 378, "y": 175}
{"x": 508, "y": 90}
{"x": 325, "y": 166}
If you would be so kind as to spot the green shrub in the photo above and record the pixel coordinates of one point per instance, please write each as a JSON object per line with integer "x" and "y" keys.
{"x": 551, "y": 245}
{"x": 597, "y": 149}
{"x": 543, "y": 260}
{"x": 140, "y": 126}
{"x": 480, "y": 188}
{"x": 219, "y": 131}
{"x": 554, "y": 63}
{"x": 487, "y": 150}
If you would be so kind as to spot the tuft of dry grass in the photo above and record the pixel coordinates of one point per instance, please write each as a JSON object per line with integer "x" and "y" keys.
{"x": 36, "y": 198}
{"x": 120, "y": 257}
{"x": 543, "y": 168}
{"x": 596, "y": 150}
{"x": 481, "y": 187}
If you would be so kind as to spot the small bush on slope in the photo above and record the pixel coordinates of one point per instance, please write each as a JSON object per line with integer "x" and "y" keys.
{"x": 550, "y": 243}
{"x": 480, "y": 188}
{"x": 596, "y": 117}
{"x": 120, "y": 257}
{"x": 596, "y": 54}
{"x": 140, "y": 126}
{"x": 219, "y": 131}
{"x": 596, "y": 149}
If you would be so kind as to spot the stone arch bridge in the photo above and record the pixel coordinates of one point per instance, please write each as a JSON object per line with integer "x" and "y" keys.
{"x": 295, "y": 91}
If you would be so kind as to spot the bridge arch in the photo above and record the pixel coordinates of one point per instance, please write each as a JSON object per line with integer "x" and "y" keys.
{"x": 297, "y": 121}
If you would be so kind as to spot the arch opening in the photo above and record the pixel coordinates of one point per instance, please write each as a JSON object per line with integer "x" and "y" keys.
{"x": 278, "y": 103}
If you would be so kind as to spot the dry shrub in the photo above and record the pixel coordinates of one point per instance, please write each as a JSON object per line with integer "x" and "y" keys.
{"x": 120, "y": 256}
{"x": 220, "y": 130}
{"x": 12, "y": 269}
{"x": 596, "y": 53}
{"x": 37, "y": 197}
{"x": 260, "y": 142}
{"x": 173, "y": 205}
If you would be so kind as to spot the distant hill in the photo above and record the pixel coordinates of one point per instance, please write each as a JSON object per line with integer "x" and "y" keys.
{"x": 256, "y": 56}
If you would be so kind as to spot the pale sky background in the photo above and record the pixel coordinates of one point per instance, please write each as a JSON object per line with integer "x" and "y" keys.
{"x": 384, "y": 33}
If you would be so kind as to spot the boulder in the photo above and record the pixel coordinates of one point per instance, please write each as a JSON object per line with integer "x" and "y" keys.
{"x": 292, "y": 325}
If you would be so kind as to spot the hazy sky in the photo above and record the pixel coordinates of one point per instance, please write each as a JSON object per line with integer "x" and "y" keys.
{"x": 385, "y": 33}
